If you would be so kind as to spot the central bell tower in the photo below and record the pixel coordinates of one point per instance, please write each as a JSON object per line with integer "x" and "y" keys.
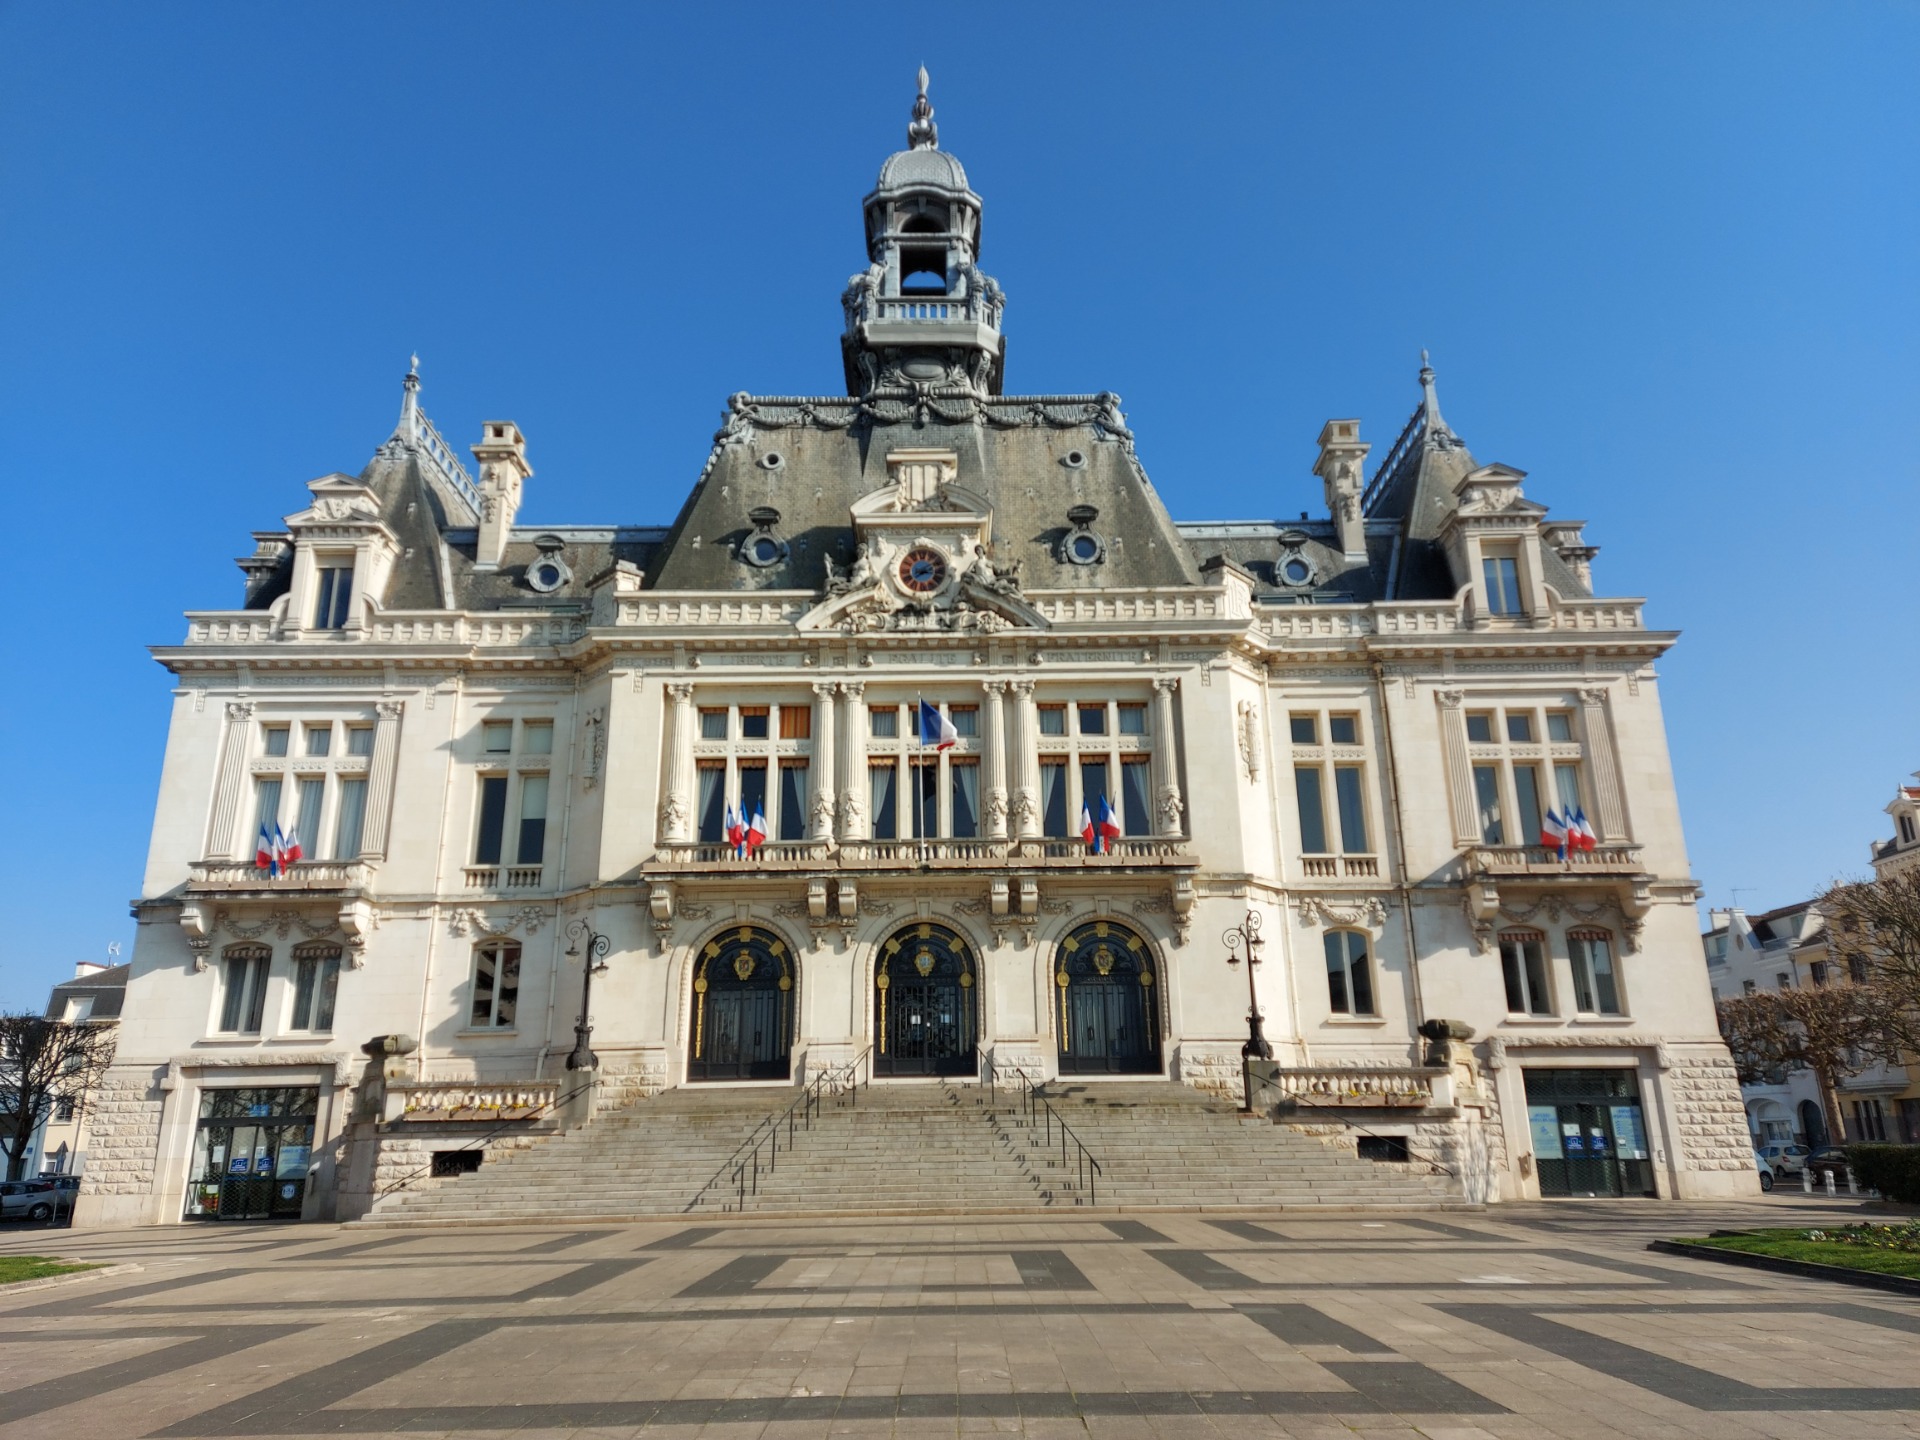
{"x": 923, "y": 314}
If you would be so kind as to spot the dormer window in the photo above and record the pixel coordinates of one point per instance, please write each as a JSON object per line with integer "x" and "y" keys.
{"x": 1907, "y": 832}
{"x": 333, "y": 593}
{"x": 1502, "y": 575}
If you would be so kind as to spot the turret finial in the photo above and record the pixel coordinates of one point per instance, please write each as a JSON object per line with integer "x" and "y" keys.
{"x": 1430, "y": 399}
{"x": 922, "y": 133}
{"x": 409, "y": 427}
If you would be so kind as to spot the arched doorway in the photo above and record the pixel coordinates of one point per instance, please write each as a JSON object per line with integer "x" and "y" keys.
{"x": 925, "y": 1004}
{"x": 1107, "y": 1019}
{"x": 1813, "y": 1125}
{"x": 742, "y": 1008}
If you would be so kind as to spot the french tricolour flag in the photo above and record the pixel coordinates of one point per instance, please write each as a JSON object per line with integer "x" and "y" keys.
{"x": 263, "y": 854}
{"x": 1580, "y": 834}
{"x": 1553, "y": 832}
{"x": 936, "y": 729}
{"x": 1087, "y": 832}
{"x": 756, "y": 831}
{"x": 736, "y": 830}
{"x": 1108, "y": 827}
{"x": 287, "y": 846}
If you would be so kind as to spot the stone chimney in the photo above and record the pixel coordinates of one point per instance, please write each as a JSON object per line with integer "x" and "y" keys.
{"x": 502, "y": 453}
{"x": 1342, "y": 468}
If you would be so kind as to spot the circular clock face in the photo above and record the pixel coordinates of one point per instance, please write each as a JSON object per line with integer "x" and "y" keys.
{"x": 923, "y": 569}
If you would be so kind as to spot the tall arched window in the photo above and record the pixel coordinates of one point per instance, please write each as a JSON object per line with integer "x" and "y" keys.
{"x": 1107, "y": 1014}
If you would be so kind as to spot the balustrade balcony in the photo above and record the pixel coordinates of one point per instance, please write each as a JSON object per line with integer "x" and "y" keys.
{"x": 1602, "y": 860}
{"x": 777, "y": 856}
{"x": 305, "y": 876}
{"x": 1331, "y": 867}
{"x": 503, "y": 877}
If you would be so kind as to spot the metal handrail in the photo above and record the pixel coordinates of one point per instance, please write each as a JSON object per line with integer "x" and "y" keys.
{"x": 1087, "y": 1170}
{"x": 588, "y": 1081}
{"x": 744, "y": 1169}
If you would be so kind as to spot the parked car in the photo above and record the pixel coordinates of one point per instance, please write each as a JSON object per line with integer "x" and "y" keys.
{"x": 1766, "y": 1170}
{"x": 27, "y": 1200}
{"x": 1785, "y": 1159}
{"x": 1831, "y": 1159}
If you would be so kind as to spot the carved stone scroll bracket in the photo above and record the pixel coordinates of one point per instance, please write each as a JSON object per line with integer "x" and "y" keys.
{"x": 357, "y": 921}
{"x": 1482, "y": 904}
{"x": 596, "y": 747}
{"x": 198, "y": 924}
{"x": 1365, "y": 912}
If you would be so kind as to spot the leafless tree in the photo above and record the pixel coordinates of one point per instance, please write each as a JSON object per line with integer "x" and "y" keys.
{"x": 1836, "y": 1031}
{"x": 42, "y": 1063}
{"x": 1873, "y": 929}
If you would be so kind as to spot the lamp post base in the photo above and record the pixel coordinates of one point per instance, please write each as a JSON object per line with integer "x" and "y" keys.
{"x": 582, "y": 1057}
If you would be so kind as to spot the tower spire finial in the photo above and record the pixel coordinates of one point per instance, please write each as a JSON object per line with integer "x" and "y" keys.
{"x": 409, "y": 427}
{"x": 1430, "y": 398}
{"x": 922, "y": 133}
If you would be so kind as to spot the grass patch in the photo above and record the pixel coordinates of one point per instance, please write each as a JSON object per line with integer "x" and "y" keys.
{"x": 15, "y": 1268}
{"x": 1879, "y": 1249}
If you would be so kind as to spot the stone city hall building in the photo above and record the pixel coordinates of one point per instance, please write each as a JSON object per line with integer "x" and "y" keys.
{"x": 483, "y": 732}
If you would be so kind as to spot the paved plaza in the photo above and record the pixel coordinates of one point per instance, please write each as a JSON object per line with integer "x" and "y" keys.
{"x": 1548, "y": 1320}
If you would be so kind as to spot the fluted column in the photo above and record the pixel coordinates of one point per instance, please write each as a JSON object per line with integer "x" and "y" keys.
{"x": 380, "y": 773}
{"x": 995, "y": 803}
{"x": 1600, "y": 759}
{"x": 853, "y": 774}
{"x": 1168, "y": 806}
{"x": 1453, "y": 745}
{"x": 823, "y": 759}
{"x": 676, "y": 809}
{"x": 234, "y": 746}
{"x": 1026, "y": 767}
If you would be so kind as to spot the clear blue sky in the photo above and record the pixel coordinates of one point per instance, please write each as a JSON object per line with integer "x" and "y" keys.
{"x": 1665, "y": 257}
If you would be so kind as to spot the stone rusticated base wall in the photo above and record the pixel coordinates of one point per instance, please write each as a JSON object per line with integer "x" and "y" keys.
{"x": 123, "y": 1138}
{"x": 1712, "y": 1119}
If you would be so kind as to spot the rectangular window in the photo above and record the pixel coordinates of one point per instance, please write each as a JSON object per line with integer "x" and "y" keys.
{"x": 1349, "y": 796}
{"x": 1133, "y": 719}
{"x": 333, "y": 596}
{"x": 274, "y": 740}
{"x": 965, "y": 800}
{"x": 1093, "y": 789}
{"x": 496, "y": 737}
{"x": 793, "y": 797}
{"x": 1560, "y": 727}
{"x": 711, "y": 829}
{"x": 753, "y": 788}
{"x": 1523, "y": 962}
{"x": 1858, "y": 970}
{"x": 496, "y": 986}
{"x": 352, "y": 818}
{"x": 1566, "y": 784}
{"x": 1136, "y": 790}
{"x": 753, "y": 722}
{"x": 533, "y": 820}
{"x": 536, "y": 737}
{"x": 1502, "y": 573}
{"x": 713, "y": 724}
{"x": 493, "y": 820}
{"x": 1486, "y": 793}
{"x": 1349, "y": 976}
{"x": 1343, "y": 729}
{"x": 1526, "y": 801}
{"x": 1053, "y": 719}
{"x": 883, "y": 783}
{"x": 796, "y": 722}
{"x": 1520, "y": 727}
{"x": 1313, "y": 812}
{"x": 1304, "y": 729}
{"x": 243, "y": 999}
{"x": 1093, "y": 719}
{"x": 1480, "y": 728}
{"x": 885, "y": 721}
{"x": 1817, "y": 972}
{"x": 359, "y": 740}
{"x": 266, "y": 807}
{"x": 319, "y": 739}
{"x": 966, "y": 719}
{"x": 311, "y": 794}
{"x": 926, "y": 798}
{"x": 1053, "y": 798}
{"x": 1595, "y": 990}
{"x": 316, "y": 978}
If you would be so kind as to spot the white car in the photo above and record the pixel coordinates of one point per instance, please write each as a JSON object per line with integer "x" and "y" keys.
{"x": 1766, "y": 1171}
{"x": 1785, "y": 1159}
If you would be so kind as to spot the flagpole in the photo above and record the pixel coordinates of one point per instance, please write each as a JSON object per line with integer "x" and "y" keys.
{"x": 913, "y": 770}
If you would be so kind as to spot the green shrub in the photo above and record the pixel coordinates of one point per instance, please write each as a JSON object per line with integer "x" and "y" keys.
{"x": 1893, "y": 1170}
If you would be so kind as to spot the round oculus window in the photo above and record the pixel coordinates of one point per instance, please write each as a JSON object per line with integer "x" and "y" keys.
{"x": 548, "y": 573}
{"x": 923, "y": 569}
{"x": 1296, "y": 571}
{"x": 766, "y": 550}
{"x": 1085, "y": 549}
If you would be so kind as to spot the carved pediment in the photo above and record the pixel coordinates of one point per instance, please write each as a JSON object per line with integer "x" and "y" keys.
{"x": 338, "y": 500}
{"x": 923, "y": 582}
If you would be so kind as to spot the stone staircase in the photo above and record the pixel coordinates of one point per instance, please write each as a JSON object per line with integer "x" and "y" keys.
{"x": 920, "y": 1148}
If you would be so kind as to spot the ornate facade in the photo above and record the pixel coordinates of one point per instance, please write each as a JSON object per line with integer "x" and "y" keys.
{"x": 483, "y": 732}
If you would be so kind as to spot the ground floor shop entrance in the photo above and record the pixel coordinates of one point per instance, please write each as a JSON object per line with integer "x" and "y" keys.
{"x": 1589, "y": 1132}
{"x": 251, "y": 1150}
{"x": 925, "y": 1015}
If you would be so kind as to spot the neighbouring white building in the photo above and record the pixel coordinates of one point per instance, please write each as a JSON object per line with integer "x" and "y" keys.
{"x": 1750, "y": 953}
{"x": 484, "y": 732}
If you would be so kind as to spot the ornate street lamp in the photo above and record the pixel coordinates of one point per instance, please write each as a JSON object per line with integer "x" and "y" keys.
{"x": 1246, "y": 935}
{"x": 595, "y": 946}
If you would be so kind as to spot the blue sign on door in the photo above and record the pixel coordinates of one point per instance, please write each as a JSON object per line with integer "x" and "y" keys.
{"x": 239, "y": 1165}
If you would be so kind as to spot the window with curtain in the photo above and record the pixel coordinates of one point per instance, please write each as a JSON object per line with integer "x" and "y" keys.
{"x": 1349, "y": 795}
{"x": 1349, "y": 973}
{"x": 266, "y": 806}
{"x": 793, "y": 792}
{"x": 334, "y": 592}
{"x": 796, "y": 722}
{"x": 243, "y": 993}
{"x": 711, "y": 804}
{"x": 353, "y": 814}
{"x": 533, "y": 820}
{"x": 964, "y": 802}
{"x": 753, "y": 789}
{"x": 1523, "y": 965}
{"x": 316, "y": 979}
{"x": 311, "y": 794}
{"x": 1136, "y": 796}
{"x": 926, "y": 781}
{"x": 1486, "y": 794}
{"x": 1566, "y": 784}
{"x": 1093, "y": 787}
{"x": 1313, "y": 815}
{"x": 1053, "y": 798}
{"x": 883, "y": 784}
{"x": 496, "y": 985}
{"x": 1596, "y": 989}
